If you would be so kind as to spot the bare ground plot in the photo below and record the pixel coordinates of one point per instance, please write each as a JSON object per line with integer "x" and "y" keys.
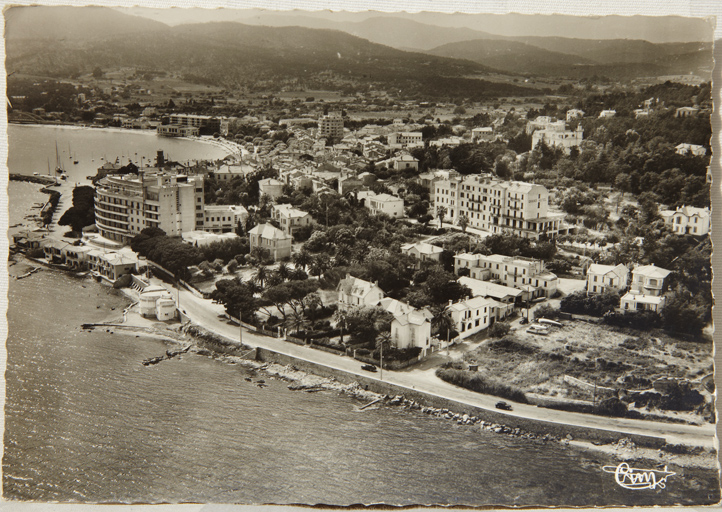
{"x": 594, "y": 354}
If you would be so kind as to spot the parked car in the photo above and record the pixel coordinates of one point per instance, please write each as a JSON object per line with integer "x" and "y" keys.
{"x": 369, "y": 368}
{"x": 503, "y": 405}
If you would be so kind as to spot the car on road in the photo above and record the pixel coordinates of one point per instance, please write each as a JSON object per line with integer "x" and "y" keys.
{"x": 503, "y": 405}
{"x": 369, "y": 368}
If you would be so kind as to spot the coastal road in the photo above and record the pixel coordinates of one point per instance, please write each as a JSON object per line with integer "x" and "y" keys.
{"x": 203, "y": 312}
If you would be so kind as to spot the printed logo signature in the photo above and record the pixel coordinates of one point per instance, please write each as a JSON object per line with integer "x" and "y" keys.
{"x": 634, "y": 478}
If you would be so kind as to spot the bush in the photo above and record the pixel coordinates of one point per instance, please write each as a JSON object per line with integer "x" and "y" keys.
{"x": 398, "y": 354}
{"x": 475, "y": 382}
{"x": 642, "y": 320}
{"x": 499, "y": 330}
{"x": 546, "y": 311}
{"x": 595, "y": 305}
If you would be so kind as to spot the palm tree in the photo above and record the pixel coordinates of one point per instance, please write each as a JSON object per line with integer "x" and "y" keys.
{"x": 283, "y": 271}
{"x": 302, "y": 258}
{"x": 261, "y": 275}
{"x": 463, "y": 222}
{"x": 444, "y": 323}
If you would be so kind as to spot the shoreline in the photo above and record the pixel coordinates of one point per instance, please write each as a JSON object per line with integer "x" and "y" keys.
{"x": 188, "y": 335}
{"x": 227, "y": 145}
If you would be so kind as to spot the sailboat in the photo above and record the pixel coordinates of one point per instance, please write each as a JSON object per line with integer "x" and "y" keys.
{"x": 59, "y": 166}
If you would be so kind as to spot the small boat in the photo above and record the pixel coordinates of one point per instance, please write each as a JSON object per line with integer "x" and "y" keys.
{"x": 542, "y": 330}
{"x": 75, "y": 162}
{"x": 63, "y": 176}
{"x": 36, "y": 174}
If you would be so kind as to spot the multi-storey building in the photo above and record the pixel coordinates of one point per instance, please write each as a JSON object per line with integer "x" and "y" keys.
{"x": 405, "y": 139}
{"x": 210, "y": 123}
{"x": 331, "y": 125}
{"x": 385, "y": 203}
{"x": 497, "y": 206}
{"x": 646, "y": 289}
{"x": 688, "y": 220}
{"x": 514, "y": 271}
{"x": 601, "y": 278}
{"x": 125, "y": 205}
{"x": 565, "y": 139}
{"x": 270, "y": 237}
{"x": 223, "y": 218}
{"x": 289, "y": 218}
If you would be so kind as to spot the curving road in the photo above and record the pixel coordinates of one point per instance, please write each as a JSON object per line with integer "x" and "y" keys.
{"x": 203, "y": 312}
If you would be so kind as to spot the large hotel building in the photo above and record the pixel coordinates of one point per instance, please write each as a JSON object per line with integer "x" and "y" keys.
{"x": 498, "y": 206}
{"x": 125, "y": 205}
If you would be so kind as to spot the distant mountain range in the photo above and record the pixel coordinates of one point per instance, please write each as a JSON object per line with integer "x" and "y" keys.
{"x": 62, "y": 41}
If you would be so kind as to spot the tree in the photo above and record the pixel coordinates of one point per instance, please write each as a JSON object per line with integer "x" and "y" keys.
{"x": 463, "y": 221}
{"x": 302, "y": 258}
{"x": 441, "y": 213}
{"x": 97, "y": 72}
{"x": 82, "y": 213}
{"x": 289, "y": 294}
{"x": 260, "y": 276}
{"x": 237, "y": 297}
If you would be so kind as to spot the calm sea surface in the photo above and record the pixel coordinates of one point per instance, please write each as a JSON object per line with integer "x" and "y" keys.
{"x": 31, "y": 148}
{"x": 86, "y": 421}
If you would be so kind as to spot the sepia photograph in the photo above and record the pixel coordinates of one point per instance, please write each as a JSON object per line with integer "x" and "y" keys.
{"x": 359, "y": 258}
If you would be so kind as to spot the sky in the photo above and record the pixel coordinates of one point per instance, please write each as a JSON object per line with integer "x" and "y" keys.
{"x": 656, "y": 29}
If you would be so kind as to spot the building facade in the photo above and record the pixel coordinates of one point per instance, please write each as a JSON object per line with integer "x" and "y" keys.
{"x": 271, "y": 238}
{"x": 602, "y": 278}
{"x": 289, "y": 218}
{"x": 497, "y": 206}
{"x": 125, "y": 205}
{"x": 223, "y": 218}
{"x": 331, "y": 125}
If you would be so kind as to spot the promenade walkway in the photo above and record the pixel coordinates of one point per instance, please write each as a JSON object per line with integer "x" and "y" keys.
{"x": 203, "y": 312}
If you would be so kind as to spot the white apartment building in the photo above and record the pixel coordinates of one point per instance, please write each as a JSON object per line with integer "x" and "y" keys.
{"x": 223, "y": 218}
{"x": 601, "y": 278}
{"x": 498, "y": 206}
{"x": 605, "y": 114}
{"x": 125, "y": 205}
{"x": 566, "y": 139}
{"x": 197, "y": 121}
{"x": 405, "y": 139}
{"x": 385, "y": 203}
{"x": 331, "y": 125}
{"x": 512, "y": 271}
{"x": 174, "y": 130}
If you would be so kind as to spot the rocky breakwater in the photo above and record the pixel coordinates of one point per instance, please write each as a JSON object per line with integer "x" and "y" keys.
{"x": 466, "y": 419}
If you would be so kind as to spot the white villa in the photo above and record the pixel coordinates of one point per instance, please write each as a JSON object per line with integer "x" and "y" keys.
{"x": 646, "y": 288}
{"x": 355, "y": 292}
{"x": 270, "y": 237}
{"x": 601, "y": 278}
{"x": 421, "y": 251}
